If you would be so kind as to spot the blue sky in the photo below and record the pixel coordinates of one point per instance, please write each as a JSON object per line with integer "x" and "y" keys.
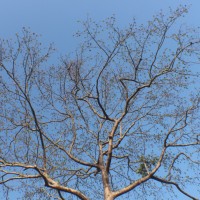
{"x": 57, "y": 20}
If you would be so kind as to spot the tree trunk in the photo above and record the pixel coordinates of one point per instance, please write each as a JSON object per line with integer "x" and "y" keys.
{"x": 109, "y": 198}
{"x": 108, "y": 194}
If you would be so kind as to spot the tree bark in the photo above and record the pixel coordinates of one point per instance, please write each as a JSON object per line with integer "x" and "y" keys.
{"x": 108, "y": 194}
{"x": 107, "y": 190}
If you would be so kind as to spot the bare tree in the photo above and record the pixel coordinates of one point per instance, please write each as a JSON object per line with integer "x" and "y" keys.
{"x": 119, "y": 119}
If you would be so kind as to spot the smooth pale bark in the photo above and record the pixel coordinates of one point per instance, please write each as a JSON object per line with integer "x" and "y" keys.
{"x": 107, "y": 191}
{"x": 108, "y": 194}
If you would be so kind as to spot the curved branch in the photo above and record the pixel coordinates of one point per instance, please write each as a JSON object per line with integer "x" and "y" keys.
{"x": 141, "y": 180}
{"x": 175, "y": 184}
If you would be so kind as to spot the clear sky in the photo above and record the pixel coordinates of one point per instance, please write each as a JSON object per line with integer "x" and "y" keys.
{"x": 56, "y": 20}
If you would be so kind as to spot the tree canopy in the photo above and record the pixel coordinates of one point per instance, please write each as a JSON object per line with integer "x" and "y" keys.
{"x": 119, "y": 118}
